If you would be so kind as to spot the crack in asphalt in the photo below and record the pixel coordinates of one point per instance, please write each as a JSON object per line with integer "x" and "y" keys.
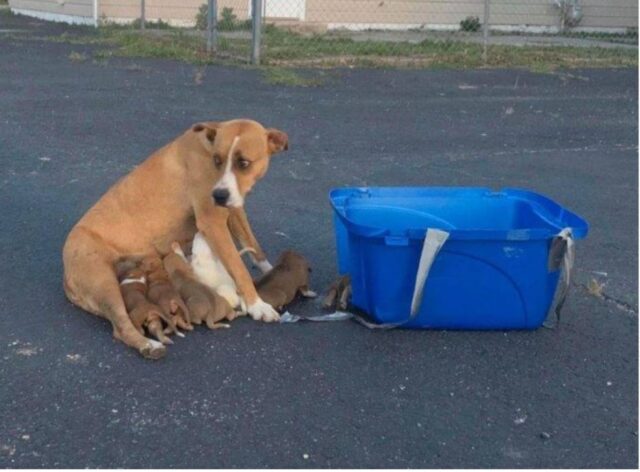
{"x": 620, "y": 304}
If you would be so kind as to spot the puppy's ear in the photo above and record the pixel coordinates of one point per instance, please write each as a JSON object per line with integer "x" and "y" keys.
{"x": 150, "y": 264}
{"x": 278, "y": 140}
{"x": 207, "y": 131}
{"x": 124, "y": 266}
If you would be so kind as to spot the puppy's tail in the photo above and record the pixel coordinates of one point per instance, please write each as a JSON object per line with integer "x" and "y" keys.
{"x": 245, "y": 250}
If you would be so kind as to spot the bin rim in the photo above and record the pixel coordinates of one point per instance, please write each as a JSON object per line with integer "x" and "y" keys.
{"x": 548, "y": 210}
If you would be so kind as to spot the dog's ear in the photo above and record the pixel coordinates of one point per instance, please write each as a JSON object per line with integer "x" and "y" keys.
{"x": 207, "y": 131}
{"x": 278, "y": 140}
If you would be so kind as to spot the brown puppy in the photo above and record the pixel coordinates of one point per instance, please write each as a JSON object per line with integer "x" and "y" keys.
{"x": 338, "y": 294}
{"x": 197, "y": 182}
{"x": 161, "y": 292}
{"x": 143, "y": 313}
{"x": 203, "y": 304}
{"x": 289, "y": 277}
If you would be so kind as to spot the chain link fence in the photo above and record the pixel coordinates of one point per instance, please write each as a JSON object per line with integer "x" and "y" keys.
{"x": 439, "y": 32}
{"x": 383, "y": 32}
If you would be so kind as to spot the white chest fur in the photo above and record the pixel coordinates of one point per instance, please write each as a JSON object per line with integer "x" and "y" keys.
{"x": 210, "y": 271}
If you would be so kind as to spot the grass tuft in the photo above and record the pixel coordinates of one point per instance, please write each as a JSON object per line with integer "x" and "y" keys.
{"x": 77, "y": 57}
{"x": 282, "y": 49}
{"x": 289, "y": 77}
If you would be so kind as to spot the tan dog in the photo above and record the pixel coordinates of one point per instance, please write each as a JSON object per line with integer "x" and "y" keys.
{"x": 197, "y": 182}
{"x": 161, "y": 292}
{"x": 289, "y": 277}
{"x": 142, "y": 312}
{"x": 204, "y": 304}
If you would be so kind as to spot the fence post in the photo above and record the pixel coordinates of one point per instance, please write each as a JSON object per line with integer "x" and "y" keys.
{"x": 212, "y": 26}
{"x": 485, "y": 30}
{"x": 142, "y": 15}
{"x": 257, "y": 26}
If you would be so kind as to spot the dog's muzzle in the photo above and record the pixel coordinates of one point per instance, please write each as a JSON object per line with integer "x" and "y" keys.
{"x": 221, "y": 196}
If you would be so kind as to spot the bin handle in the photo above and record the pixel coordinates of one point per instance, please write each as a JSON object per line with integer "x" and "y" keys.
{"x": 433, "y": 242}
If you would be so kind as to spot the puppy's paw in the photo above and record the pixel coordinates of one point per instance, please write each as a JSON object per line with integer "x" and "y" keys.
{"x": 261, "y": 310}
{"x": 219, "y": 326}
{"x": 153, "y": 350}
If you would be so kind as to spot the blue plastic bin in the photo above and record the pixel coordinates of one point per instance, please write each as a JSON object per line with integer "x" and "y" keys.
{"x": 492, "y": 272}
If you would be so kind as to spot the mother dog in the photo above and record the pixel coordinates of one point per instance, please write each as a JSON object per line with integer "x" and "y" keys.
{"x": 197, "y": 182}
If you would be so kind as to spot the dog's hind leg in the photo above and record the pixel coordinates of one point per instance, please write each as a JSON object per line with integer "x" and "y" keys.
{"x": 241, "y": 230}
{"x": 91, "y": 283}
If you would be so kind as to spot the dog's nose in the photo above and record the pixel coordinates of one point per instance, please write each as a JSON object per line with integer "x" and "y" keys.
{"x": 220, "y": 196}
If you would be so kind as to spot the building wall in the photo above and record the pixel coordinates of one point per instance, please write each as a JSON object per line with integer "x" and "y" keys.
{"x": 69, "y": 11}
{"x": 358, "y": 14}
{"x": 610, "y": 13}
{"x": 176, "y": 12}
{"x": 442, "y": 13}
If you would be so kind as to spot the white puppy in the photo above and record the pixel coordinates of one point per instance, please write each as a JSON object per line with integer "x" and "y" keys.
{"x": 210, "y": 271}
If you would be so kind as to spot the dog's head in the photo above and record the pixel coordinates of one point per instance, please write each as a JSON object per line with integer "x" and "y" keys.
{"x": 237, "y": 155}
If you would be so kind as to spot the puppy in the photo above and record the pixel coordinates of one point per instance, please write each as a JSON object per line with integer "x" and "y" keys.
{"x": 161, "y": 292}
{"x": 210, "y": 271}
{"x": 289, "y": 277}
{"x": 202, "y": 303}
{"x": 133, "y": 286}
{"x": 338, "y": 294}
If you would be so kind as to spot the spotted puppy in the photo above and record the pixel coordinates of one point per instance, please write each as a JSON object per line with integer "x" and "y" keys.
{"x": 289, "y": 277}
{"x": 143, "y": 313}
{"x": 203, "y": 304}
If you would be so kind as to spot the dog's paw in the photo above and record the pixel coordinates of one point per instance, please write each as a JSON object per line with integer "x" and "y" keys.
{"x": 261, "y": 310}
{"x": 153, "y": 350}
{"x": 264, "y": 266}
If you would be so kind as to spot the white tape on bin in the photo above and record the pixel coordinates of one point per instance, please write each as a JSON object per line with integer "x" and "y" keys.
{"x": 433, "y": 242}
{"x": 568, "y": 258}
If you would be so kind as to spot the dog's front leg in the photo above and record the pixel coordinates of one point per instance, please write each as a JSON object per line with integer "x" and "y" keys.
{"x": 212, "y": 223}
{"x": 241, "y": 231}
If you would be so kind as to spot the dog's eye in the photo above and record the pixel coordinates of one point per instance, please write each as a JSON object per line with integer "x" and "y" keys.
{"x": 243, "y": 163}
{"x": 217, "y": 161}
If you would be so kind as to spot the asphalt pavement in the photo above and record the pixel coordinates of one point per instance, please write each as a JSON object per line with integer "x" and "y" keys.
{"x": 315, "y": 394}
